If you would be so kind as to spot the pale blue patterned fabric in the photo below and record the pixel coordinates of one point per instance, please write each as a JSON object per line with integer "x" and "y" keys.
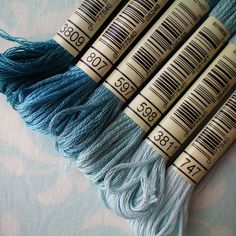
{"x": 38, "y": 197}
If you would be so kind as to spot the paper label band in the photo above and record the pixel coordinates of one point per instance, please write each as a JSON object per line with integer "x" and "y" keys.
{"x": 84, "y": 23}
{"x": 198, "y": 102}
{"x": 178, "y": 73}
{"x": 209, "y": 145}
{"x": 118, "y": 36}
{"x": 155, "y": 46}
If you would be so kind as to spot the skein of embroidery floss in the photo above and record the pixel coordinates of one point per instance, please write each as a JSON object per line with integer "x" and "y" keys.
{"x": 134, "y": 188}
{"x": 30, "y": 62}
{"x": 188, "y": 169}
{"x": 118, "y": 142}
{"x": 88, "y": 120}
{"x": 44, "y": 100}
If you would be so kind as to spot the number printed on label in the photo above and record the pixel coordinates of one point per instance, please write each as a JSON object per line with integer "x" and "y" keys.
{"x": 162, "y": 141}
{"x": 120, "y": 34}
{"x": 144, "y": 111}
{"x": 124, "y": 86}
{"x": 214, "y": 139}
{"x": 83, "y": 24}
{"x": 189, "y": 167}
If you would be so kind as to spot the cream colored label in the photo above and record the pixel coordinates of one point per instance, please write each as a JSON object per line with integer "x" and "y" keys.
{"x": 178, "y": 72}
{"x": 155, "y": 46}
{"x": 84, "y": 23}
{"x": 199, "y": 100}
{"x": 119, "y": 36}
{"x": 210, "y": 144}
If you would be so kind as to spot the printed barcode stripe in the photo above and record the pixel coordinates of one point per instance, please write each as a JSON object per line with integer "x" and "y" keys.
{"x": 209, "y": 140}
{"x": 185, "y": 64}
{"x": 121, "y": 29}
{"x": 204, "y": 94}
{"x": 164, "y": 37}
{"x": 89, "y": 10}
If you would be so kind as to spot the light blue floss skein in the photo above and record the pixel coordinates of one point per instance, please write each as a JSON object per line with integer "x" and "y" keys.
{"x": 133, "y": 189}
{"x": 171, "y": 216}
{"x": 118, "y": 143}
{"x": 88, "y": 120}
{"x": 30, "y": 62}
{"x": 60, "y": 94}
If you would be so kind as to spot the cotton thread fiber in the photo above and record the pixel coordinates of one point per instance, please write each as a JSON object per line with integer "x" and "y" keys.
{"x": 30, "y": 62}
{"x": 147, "y": 168}
{"x": 171, "y": 216}
{"x": 118, "y": 142}
{"x": 65, "y": 92}
{"x": 93, "y": 116}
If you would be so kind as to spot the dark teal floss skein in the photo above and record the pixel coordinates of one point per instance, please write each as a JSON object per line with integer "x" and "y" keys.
{"x": 28, "y": 63}
{"x": 103, "y": 157}
{"x": 91, "y": 119}
{"x": 140, "y": 166}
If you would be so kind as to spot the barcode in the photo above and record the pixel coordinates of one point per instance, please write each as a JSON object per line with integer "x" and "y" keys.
{"x": 205, "y": 94}
{"x": 118, "y": 36}
{"x": 89, "y": 10}
{"x": 209, "y": 145}
{"x": 164, "y": 37}
{"x": 185, "y": 64}
{"x": 120, "y": 30}
{"x": 155, "y": 46}
{"x": 211, "y": 137}
{"x": 84, "y": 23}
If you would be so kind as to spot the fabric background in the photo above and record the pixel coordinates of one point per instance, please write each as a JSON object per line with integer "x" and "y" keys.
{"x": 38, "y": 197}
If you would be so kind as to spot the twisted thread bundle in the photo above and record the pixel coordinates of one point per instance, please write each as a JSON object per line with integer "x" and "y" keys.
{"x": 146, "y": 166}
{"x": 28, "y": 63}
{"x": 118, "y": 143}
{"x": 45, "y": 109}
{"x": 91, "y": 118}
{"x": 170, "y": 217}
{"x": 21, "y": 67}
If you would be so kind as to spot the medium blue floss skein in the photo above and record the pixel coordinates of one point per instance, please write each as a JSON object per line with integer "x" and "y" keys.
{"x": 60, "y": 97}
{"x": 92, "y": 117}
{"x": 28, "y": 63}
{"x": 36, "y": 108}
{"x": 146, "y": 166}
{"x": 102, "y": 157}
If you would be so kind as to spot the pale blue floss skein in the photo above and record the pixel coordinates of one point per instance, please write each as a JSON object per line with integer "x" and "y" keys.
{"x": 87, "y": 121}
{"x": 142, "y": 178}
{"x": 120, "y": 140}
{"x": 30, "y": 62}
{"x": 63, "y": 92}
{"x": 171, "y": 216}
